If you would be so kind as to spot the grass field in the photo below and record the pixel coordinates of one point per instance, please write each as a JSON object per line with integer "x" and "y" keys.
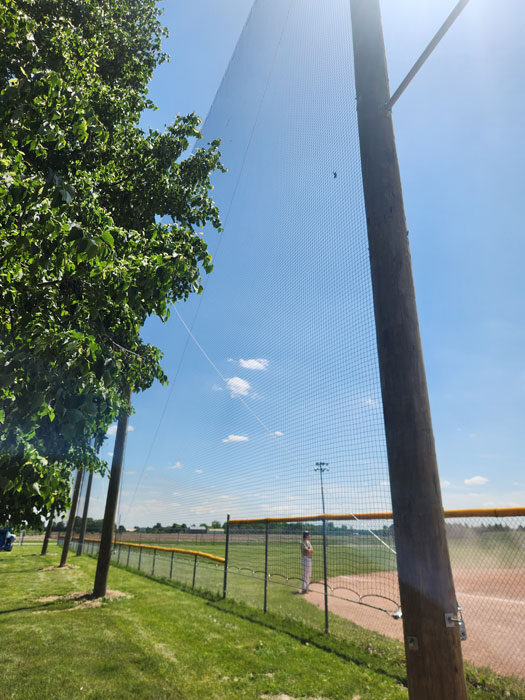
{"x": 490, "y": 550}
{"x": 246, "y": 572}
{"x": 163, "y": 642}
{"x": 487, "y": 569}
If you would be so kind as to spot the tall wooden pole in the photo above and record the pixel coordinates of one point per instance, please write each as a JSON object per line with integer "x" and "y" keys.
{"x": 433, "y": 652}
{"x": 71, "y": 519}
{"x": 82, "y": 534}
{"x": 47, "y": 535}
{"x": 108, "y": 524}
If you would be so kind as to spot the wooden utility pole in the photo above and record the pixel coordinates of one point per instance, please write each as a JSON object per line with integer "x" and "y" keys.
{"x": 47, "y": 535}
{"x": 82, "y": 533}
{"x": 71, "y": 519}
{"x": 433, "y": 652}
{"x": 108, "y": 525}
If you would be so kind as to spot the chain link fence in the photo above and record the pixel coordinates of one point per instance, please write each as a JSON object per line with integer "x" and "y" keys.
{"x": 353, "y": 584}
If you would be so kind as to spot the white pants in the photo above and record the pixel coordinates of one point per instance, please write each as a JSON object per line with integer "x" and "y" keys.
{"x": 307, "y": 571}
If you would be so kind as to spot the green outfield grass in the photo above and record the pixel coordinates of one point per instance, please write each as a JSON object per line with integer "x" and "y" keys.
{"x": 246, "y": 569}
{"x": 164, "y": 642}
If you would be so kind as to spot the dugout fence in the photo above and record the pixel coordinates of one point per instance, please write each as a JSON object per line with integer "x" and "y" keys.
{"x": 354, "y": 588}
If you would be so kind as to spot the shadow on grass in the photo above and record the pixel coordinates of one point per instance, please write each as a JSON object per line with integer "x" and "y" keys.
{"x": 385, "y": 659}
{"x": 19, "y": 571}
{"x": 391, "y": 666}
{"x": 41, "y": 607}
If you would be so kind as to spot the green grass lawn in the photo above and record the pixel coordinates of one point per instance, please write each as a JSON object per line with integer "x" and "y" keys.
{"x": 165, "y": 642}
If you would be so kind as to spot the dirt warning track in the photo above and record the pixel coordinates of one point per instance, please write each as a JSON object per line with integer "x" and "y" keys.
{"x": 492, "y": 601}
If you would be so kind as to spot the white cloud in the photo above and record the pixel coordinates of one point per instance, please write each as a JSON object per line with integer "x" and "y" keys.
{"x": 476, "y": 481}
{"x": 198, "y": 471}
{"x": 235, "y": 438}
{"x": 278, "y": 433}
{"x": 177, "y": 465}
{"x": 445, "y": 483}
{"x": 385, "y": 483}
{"x": 238, "y": 386}
{"x": 259, "y": 363}
{"x": 110, "y": 454}
{"x": 216, "y": 387}
{"x": 112, "y": 430}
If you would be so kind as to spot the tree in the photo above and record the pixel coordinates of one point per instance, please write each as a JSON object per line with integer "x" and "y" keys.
{"x": 100, "y": 228}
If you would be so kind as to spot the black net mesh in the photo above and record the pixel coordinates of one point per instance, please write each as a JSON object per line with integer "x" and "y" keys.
{"x": 275, "y": 408}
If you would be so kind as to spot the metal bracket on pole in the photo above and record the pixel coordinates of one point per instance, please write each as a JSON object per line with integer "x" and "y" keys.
{"x": 456, "y": 620}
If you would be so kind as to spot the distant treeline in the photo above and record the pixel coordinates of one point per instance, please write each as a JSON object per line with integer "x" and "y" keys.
{"x": 176, "y": 527}
{"x": 454, "y": 530}
{"x": 91, "y": 525}
{"x": 313, "y": 528}
{"x": 462, "y": 530}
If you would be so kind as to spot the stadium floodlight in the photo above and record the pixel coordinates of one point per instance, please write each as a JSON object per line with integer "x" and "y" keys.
{"x": 321, "y": 467}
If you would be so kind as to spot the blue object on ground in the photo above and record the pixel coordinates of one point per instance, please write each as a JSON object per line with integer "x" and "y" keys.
{"x": 6, "y": 539}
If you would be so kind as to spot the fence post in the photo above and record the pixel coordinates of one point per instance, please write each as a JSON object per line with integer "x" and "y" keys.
{"x": 226, "y": 556}
{"x": 140, "y": 557}
{"x": 325, "y": 568}
{"x": 171, "y": 565}
{"x": 153, "y": 567}
{"x": 129, "y": 552}
{"x": 194, "y": 571}
{"x": 266, "y": 567}
{"x": 118, "y": 554}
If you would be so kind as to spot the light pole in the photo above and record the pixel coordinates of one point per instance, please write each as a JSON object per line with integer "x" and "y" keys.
{"x": 321, "y": 467}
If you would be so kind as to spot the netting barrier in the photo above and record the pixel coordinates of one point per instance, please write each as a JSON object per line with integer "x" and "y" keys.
{"x": 292, "y": 378}
{"x": 359, "y": 587}
{"x": 276, "y": 405}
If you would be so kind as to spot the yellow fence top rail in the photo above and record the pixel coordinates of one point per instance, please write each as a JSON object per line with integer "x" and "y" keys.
{"x": 193, "y": 552}
{"x": 466, "y": 513}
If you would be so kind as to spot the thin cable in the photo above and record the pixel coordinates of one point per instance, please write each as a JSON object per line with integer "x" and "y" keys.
{"x": 260, "y": 421}
{"x": 228, "y": 211}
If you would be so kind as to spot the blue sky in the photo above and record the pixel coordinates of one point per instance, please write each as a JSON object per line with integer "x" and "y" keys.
{"x": 243, "y": 437}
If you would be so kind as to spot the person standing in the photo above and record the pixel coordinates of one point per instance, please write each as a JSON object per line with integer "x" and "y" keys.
{"x": 306, "y": 559}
